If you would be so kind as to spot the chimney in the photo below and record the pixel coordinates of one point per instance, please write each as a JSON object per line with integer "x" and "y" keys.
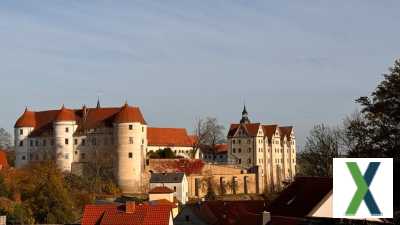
{"x": 266, "y": 217}
{"x": 130, "y": 207}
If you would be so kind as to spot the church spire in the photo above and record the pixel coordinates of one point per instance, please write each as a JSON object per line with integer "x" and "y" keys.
{"x": 245, "y": 117}
{"x": 98, "y": 103}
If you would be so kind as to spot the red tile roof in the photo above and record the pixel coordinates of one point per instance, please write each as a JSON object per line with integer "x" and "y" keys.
{"x": 65, "y": 115}
{"x": 27, "y": 119}
{"x": 269, "y": 130}
{"x": 163, "y": 202}
{"x": 250, "y": 128}
{"x": 168, "y": 137}
{"x": 221, "y": 148}
{"x": 113, "y": 214}
{"x": 86, "y": 118}
{"x": 161, "y": 190}
{"x": 286, "y": 131}
{"x": 129, "y": 114}
{"x": 301, "y": 196}
{"x": 3, "y": 159}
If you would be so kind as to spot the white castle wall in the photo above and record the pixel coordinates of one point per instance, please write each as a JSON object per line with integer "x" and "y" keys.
{"x": 22, "y": 153}
{"x": 131, "y": 145}
{"x": 64, "y": 146}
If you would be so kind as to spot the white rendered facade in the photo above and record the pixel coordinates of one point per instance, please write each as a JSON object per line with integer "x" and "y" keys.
{"x": 64, "y": 136}
{"x": 269, "y": 148}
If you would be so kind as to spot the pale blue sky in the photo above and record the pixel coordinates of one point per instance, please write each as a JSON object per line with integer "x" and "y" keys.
{"x": 294, "y": 62}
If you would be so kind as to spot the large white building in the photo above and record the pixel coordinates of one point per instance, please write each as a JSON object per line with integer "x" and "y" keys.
{"x": 269, "y": 149}
{"x": 72, "y": 136}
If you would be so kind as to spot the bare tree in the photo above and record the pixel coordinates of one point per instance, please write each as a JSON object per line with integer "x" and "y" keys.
{"x": 208, "y": 133}
{"x": 322, "y": 145}
{"x": 5, "y": 139}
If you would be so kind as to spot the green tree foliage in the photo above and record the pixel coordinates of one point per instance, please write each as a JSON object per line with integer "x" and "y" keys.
{"x": 165, "y": 153}
{"x": 322, "y": 145}
{"x": 376, "y": 130}
{"x": 45, "y": 193}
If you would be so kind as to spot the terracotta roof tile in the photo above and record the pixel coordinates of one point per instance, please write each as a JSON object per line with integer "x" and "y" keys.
{"x": 269, "y": 130}
{"x": 27, "y": 119}
{"x": 250, "y": 128}
{"x": 65, "y": 115}
{"x": 113, "y": 214}
{"x": 168, "y": 137}
{"x": 86, "y": 118}
{"x": 286, "y": 131}
{"x": 129, "y": 114}
{"x": 160, "y": 190}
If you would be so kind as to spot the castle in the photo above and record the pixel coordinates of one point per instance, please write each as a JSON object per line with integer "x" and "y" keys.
{"x": 73, "y": 135}
{"x": 269, "y": 149}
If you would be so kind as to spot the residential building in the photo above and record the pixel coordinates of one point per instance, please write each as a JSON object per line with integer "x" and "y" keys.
{"x": 215, "y": 154}
{"x": 127, "y": 214}
{"x": 164, "y": 195}
{"x": 176, "y": 181}
{"x": 270, "y": 149}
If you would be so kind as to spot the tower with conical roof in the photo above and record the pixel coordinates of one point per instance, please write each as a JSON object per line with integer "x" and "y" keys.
{"x": 130, "y": 130}
{"x": 22, "y": 128}
{"x": 64, "y": 126}
{"x": 245, "y": 116}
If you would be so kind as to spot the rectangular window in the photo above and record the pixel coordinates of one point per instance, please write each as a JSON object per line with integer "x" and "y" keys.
{"x": 21, "y": 131}
{"x": 130, "y": 155}
{"x": 36, "y": 142}
{"x": 75, "y": 141}
{"x": 66, "y": 156}
{"x": 83, "y": 142}
{"x": 240, "y": 150}
{"x": 130, "y": 127}
{"x": 239, "y": 141}
{"x": 93, "y": 141}
{"x": 66, "y": 130}
{"x": 142, "y": 129}
{"x": 66, "y": 141}
{"x": 44, "y": 142}
{"x": 21, "y": 143}
{"x": 249, "y": 149}
{"x": 142, "y": 141}
{"x": 83, "y": 155}
{"x": 23, "y": 158}
{"x": 130, "y": 140}
{"x": 175, "y": 188}
{"x": 31, "y": 143}
{"x": 52, "y": 142}
{"x": 233, "y": 141}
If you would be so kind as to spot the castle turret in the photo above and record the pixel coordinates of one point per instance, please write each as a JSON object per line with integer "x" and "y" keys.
{"x": 64, "y": 126}
{"x": 245, "y": 116}
{"x": 22, "y": 128}
{"x": 130, "y": 131}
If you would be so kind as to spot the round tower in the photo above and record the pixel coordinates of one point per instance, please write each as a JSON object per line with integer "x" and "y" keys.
{"x": 64, "y": 126}
{"x": 130, "y": 132}
{"x": 22, "y": 128}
